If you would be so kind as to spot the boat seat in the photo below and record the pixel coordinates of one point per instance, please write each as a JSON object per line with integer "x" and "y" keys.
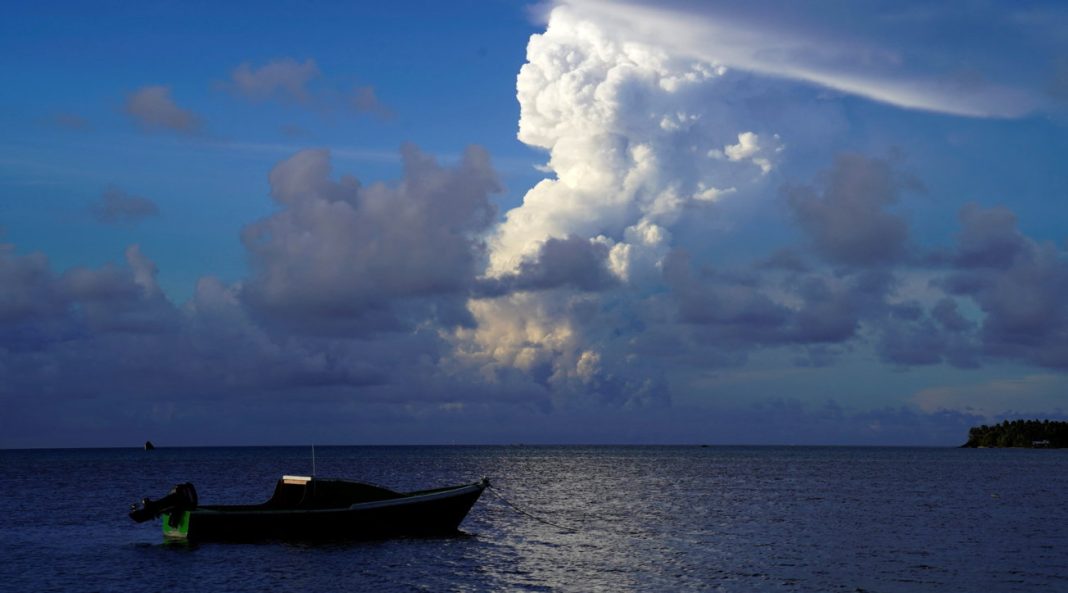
{"x": 333, "y": 494}
{"x": 287, "y": 493}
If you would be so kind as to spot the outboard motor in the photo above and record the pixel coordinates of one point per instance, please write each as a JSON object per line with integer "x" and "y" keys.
{"x": 183, "y": 497}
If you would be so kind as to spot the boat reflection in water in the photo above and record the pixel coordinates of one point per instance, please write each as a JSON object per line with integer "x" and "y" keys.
{"x": 306, "y": 508}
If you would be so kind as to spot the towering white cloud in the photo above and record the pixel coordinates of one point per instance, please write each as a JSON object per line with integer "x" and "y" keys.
{"x": 638, "y": 138}
{"x": 635, "y": 135}
{"x": 652, "y": 117}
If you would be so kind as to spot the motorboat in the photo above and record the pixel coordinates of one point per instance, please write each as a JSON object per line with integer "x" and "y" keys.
{"x": 307, "y": 508}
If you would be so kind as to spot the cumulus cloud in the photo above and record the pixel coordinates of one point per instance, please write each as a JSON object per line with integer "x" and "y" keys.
{"x": 631, "y": 133}
{"x": 810, "y": 311}
{"x": 66, "y": 318}
{"x": 303, "y": 83}
{"x": 993, "y": 297}
{"x": 364, "y": 99}
{"x": 117, "y": 206}
{"x": 562, "y": 342}
{"x": 1018, "y": 285}
{"x": 629, "y": 129}
{"x": 602, "y": 293}
{"x": 338, "y": 265}
{"x": 106, "y": 346}
{"x": 752, "y": 148}
{"x": 153, "y": 109}
{"x": 285, "y": 79}
{"x": 642, "y": 137}
{"x": 735, "y": 308}
{"x": 113, "y": 299}
{"x": 642, "y": 140}
{"x": 342, "y": 257}
{"x": 989, "y": 238}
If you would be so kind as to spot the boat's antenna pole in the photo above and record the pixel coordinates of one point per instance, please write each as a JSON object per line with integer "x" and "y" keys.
{"x": 313, "y": 460}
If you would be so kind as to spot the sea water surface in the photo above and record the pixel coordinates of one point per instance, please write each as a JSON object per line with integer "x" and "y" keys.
{"x": 612, "y": 519}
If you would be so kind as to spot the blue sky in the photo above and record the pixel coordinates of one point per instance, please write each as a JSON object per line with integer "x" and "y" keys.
{"x": 77, "y": 64}
{"x": 723, "y": 222}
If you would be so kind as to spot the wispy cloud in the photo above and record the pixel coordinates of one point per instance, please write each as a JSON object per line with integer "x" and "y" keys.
{"x": 71, "y": 121}
{"x": 115, "y": 206}
{"x": 1028, "y": 394}
{"x": 285, "y": 79}
{"x": 872, "y": 56}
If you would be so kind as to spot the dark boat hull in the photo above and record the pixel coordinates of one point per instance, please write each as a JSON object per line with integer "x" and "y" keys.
{"x": 434, "y": 512}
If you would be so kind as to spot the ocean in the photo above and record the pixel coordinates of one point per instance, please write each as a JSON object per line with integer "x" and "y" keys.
{"x": 604, "y": 518}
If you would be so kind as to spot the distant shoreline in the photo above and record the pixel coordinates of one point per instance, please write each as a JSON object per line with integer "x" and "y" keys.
{"x": 1019, "y": 434}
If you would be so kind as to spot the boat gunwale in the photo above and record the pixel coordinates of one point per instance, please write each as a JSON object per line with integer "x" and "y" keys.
{"x": 416, "y": 497}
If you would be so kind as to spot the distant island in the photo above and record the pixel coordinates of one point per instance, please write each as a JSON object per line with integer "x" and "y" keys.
{"x": 1029, "y": 434}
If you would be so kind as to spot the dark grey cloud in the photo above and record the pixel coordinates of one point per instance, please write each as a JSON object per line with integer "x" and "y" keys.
{"x": 989, "y": 238}
{"x": 753, "y": 309}
{"x": 922, "y": 342}
{"x": 1002, "y": 301}
{"x": 993, "y": 296}
{"x": 342, "y": 267}
{"x": 1017, "y": 283}
{"x": 573, "y": 262}
{"x": 153, "y": 109}
{"x": 28, "y": 290}
{"x": 226, "y": 341}
{"x": 911, "y": 344}
{"x": 733, "y": 309}
{"x": 830, "y": 311}
{"x": 340, "y": 256}
{"x": 910, "y": 334}
{"x": 997, "y": 304}
{"x": 786, "y": 259}
{"x": 107, "y": 346}
{"x": 947, "y": 313}
{"x": 847, "y": 218}
{"x": 114, "y": 299}
{"x": 66, "y": 316}
{"x": 117, "y": 206}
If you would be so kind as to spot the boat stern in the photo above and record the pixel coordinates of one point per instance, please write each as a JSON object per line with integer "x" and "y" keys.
{"x": 176, "y": 525}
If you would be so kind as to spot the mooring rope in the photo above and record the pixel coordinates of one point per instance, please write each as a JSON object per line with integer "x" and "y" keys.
{"x": 632, "y": 531}
{"x": 522, "y": 511}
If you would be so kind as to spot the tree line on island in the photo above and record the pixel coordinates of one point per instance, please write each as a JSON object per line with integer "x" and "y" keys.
{"x": 1020, "y": 433}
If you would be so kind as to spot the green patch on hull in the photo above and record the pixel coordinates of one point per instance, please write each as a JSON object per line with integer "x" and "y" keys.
{"x": 176, "y": 527}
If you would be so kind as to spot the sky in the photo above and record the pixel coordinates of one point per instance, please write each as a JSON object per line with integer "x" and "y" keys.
{"x": 720, "y": 222}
